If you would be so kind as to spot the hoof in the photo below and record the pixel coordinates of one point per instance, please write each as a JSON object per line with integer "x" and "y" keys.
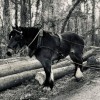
{"x": 79, "y": 74}
{"x": 49, "y": 84}
{"x": 46, "y": 88}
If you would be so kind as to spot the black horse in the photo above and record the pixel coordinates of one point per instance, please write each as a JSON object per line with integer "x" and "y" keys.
{"x": 47, "y": 47}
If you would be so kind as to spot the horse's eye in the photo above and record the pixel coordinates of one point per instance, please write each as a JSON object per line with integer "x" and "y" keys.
{"x": 10, "y": 37}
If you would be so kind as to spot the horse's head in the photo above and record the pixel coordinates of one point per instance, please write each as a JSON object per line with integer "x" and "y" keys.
{"x": 15, "y": 40}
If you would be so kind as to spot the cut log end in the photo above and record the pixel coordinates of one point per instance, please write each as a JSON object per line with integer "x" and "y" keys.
{"x": 40, "y": 77}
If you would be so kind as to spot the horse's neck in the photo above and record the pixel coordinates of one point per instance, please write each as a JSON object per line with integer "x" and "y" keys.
{"x": 29, "y": 38}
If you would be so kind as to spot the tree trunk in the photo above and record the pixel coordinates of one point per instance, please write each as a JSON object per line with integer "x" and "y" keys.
{"x": 7, "y": 25}
{"x": 30, "y": 16}
{"x": 24, "y": 14}
{"x": 16, "y": 12}
{"x": 37, "y": 14}
{"x": 69, "y": 14}
{"x": 93, "y": 23}
{"x": 6, "y": 18}
{"x": 16, "y": 79}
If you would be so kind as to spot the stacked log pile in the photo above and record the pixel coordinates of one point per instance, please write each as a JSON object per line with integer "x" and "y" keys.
{"x": 15, "y": 73}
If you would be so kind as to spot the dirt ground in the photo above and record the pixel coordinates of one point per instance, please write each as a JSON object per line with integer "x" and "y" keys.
{"x": 66, "y": 88}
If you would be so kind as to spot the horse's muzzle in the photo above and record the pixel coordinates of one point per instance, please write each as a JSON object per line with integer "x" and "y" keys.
{"x": 9, "y": 52}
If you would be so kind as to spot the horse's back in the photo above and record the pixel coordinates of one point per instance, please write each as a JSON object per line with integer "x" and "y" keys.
{"x": 72, "y": 42}
{"x": 73, "y": 38}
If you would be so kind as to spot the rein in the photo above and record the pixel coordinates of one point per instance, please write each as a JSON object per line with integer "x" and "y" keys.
{"x": 40, "y": 31}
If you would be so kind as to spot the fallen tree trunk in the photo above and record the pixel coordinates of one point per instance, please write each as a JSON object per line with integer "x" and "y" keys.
{"x": 16, "y": 79}
{"x": 13, "y": 59}
{"x": 24, "y": 70}
{"x": 26, "y": 66}
{"x": 89, "y": 54}
{"x": 21, "y": 66}
{"x": 58, "y": 73}
{"x": 17, "y": 67}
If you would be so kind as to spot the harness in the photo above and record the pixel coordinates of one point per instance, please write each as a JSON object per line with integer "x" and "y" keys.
{"x": 40, "y": 36}
{"x": 39, "y": 42}
{"x": 59, "y": 52}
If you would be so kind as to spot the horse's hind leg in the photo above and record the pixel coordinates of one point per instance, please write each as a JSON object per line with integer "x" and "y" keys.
{"x": 77, "y": 59}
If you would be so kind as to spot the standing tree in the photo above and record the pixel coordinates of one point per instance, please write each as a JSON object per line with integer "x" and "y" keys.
{"x": 24, "y": 14}
{"x": 6, "y": 22}
{"x": 69, "y": 14}
{"x": 37, "y": 14}
{"x": 16, "y": 12}
{"x": 30, "y": 16}
{"x": 93, "y": 23}
{"x": 6, "y": 18}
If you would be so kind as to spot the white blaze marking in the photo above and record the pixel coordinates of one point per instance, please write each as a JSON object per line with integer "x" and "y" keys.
{"x": 52, "y": 75}
{"x": 79, "y": 74}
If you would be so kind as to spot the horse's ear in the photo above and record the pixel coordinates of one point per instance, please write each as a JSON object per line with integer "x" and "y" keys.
{"x": 16, "y": 26}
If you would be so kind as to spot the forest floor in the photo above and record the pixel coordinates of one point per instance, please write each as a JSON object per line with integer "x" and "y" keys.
{"x": 66, "y": 88}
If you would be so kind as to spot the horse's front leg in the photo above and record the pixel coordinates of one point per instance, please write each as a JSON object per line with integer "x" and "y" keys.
{"x": 49, "y": 81}
{"x": 45, "y": 57}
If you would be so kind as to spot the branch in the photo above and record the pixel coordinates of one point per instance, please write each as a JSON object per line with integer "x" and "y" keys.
{"x": 69, "y": 14}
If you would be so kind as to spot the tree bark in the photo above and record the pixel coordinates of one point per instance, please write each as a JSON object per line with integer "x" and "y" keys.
{"x": 16, "y": 79}
{"x": 6, "y": 18}
{"x": 37, "y": 14}
{"x": 24, "y": 14}
{"x": 16, "y": 12}
{"x": 30, "y": 16}
{"x": 93, "y": 23}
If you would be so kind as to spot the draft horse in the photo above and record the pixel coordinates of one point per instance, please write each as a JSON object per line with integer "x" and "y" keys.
{"x": 47, "y": 48}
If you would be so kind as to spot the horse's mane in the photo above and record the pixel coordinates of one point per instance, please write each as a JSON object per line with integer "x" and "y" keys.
{"x": 29, "y": 28}
{"x": 35, "y": 29}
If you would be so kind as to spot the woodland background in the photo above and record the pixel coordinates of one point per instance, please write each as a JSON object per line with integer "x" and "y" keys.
{"x": 57, "y": 16}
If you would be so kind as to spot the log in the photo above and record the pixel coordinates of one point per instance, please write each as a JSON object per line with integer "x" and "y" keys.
{"x": 17, "y": 67}
{"x": 94, "y": 62}
{"x": 9, "y": 81}
{"x": 24, "y": 70}
{"x": 58, "y": 73}
{"x": 16, "y": 79}
{"x": 21, "y": 66}
{"x": 13, "y": 59}
{"x": 89, "y": 54}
